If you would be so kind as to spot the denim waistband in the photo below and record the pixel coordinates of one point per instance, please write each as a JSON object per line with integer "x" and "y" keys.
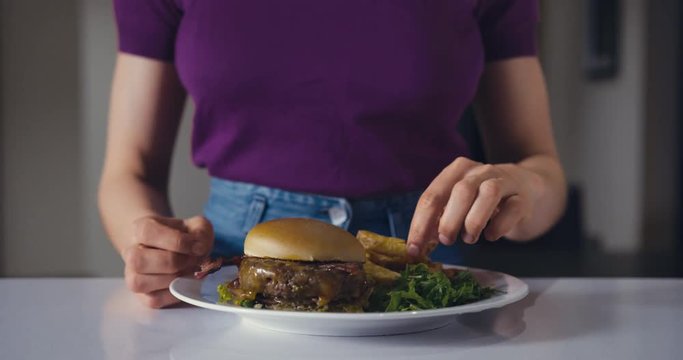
{"x": 236, "y": 188}
{"x": 340, "y": 209}
{"x": 380, "y": 203}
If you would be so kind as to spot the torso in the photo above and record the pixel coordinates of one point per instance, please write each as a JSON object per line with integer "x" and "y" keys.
{"x": 350, "y": 98}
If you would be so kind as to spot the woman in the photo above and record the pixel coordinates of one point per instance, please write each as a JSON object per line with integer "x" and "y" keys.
{"x": 341, "y": 110}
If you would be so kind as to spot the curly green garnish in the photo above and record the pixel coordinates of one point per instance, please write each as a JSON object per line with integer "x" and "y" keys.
{"x": 419, "y": 288}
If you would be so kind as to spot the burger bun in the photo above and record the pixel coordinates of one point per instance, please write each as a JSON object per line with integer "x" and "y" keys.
{"x": 302, "y": 239}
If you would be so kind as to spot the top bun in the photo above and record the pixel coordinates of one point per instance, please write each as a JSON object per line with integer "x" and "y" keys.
{"x": 302, "y": 240}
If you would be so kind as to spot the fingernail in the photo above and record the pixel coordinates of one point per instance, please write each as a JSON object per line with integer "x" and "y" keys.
{"x": 444, "y": 239}
{"x": 413, "y": 250}
{"x": 198, "y": 249}
{"x": 466, "y": 237}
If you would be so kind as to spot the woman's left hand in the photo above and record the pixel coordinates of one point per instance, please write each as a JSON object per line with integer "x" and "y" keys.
{"x": 524, "y": 193}
{"x": 471, "y": 199}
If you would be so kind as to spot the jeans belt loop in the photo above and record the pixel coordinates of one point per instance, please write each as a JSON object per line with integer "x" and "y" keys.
{"x": 255, "y": 213}
{"x": 340, "y": 215}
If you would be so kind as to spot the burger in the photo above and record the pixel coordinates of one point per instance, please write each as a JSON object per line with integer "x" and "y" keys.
{"x": 300, "y": 264}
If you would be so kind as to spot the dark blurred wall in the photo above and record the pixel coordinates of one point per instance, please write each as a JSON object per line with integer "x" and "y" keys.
{"x": 599, "y": 123}
{"x": 662, "y": 176}
{"x": 40, "y": 147}
{"x": 2, "y": 166}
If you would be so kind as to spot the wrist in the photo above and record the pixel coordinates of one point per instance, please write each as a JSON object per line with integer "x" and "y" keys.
{"x": 543, "y": 179}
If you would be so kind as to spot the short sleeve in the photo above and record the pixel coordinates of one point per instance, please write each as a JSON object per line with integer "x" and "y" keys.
{"x": 508, "y": 27}
{"x": 148, "y": 27}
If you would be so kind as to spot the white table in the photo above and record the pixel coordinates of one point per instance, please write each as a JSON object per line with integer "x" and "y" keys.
{"x": 560, "y": 319}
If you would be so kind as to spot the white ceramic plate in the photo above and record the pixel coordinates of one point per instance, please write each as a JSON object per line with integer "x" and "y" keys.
{"x": 203, "y": 293}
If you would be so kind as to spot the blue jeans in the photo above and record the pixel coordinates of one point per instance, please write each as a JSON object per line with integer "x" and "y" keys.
{"x": 235, "y": 207}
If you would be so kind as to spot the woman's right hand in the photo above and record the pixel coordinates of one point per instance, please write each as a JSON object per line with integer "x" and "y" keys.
{"x": 164, "y": 248}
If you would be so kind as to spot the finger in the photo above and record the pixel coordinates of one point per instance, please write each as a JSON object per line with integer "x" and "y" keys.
{"x": 462, "y": 196}
{"x": 158, "y": 299}
{"x": 155, "y": 233}
{"x": 485, "y": 171}
{"x": 201, "y": 231}
{"x": 424, "y": 225}
{"x": 144, "y": 283}
{"x": 174, "y": 223}
{"x": 424, "y": 222}
{"x": 490, "y": 194}
{"x": 145, "y": 260}
{"x": 511, "y": 213}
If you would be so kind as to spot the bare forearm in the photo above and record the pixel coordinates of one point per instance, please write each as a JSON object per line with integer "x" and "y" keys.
{"x": 548, "y": 205}
{"x": 125, "y": 198}
{"x": 146, "y": 103}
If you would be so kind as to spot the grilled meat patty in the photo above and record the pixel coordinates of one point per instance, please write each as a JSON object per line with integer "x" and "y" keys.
{"x": 301, "y": 285}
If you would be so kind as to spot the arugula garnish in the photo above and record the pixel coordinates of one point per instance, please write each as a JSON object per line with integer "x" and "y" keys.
{"x": 419, "y": 288}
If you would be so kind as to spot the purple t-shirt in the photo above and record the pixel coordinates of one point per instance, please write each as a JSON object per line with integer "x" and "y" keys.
{"x": 350, "y": 98}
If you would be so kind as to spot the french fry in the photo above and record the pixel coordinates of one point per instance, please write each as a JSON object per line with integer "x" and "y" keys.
{"x": 387, "y": 261}
{"x": 390, "y": 246}
{"x": 378, "y": 274}
{"x": 386, "y": 251}
{"x": 386, "y": 256}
